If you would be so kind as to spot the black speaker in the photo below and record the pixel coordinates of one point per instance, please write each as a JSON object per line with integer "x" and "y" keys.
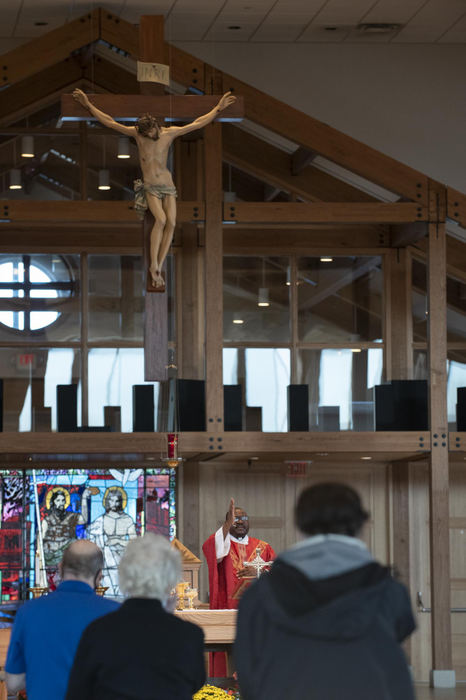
{"x": 329, "y": 418}
{"x": 233, "y": 407}
{"x": 191, "y": 405}
{"x": 67, "y": 408}
{"x": 143, "y": 408}
{"x": 411, "y": 404}
{"x": 402, "y": 405}
{"x": 298, "y": 407}
{"x": 384, "y": 407}
{"x": 461, "y": 409}
{"x": 1, "y": 405}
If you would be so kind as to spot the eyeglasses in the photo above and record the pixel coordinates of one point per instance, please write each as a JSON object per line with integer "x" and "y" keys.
{"x": 241, "y": 517}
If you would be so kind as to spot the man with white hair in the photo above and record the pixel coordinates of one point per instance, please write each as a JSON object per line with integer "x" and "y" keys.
{"x": 46, "y": 631}
{"x": 141, "y": 650}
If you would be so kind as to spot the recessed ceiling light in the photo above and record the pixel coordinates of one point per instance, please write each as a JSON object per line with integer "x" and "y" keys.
{"x": 378, "y": 27}
{"x": 326, "y": 258}
{"x": 40, "y": 24}
{"x": 234, "y": 27}
{"x": 330, "y": 29}
{"x": 366, "y": 457}
{"x": 238, "y": 321}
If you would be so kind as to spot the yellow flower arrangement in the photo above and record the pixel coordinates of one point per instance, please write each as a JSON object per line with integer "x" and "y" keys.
{"x": 208, "y": 692}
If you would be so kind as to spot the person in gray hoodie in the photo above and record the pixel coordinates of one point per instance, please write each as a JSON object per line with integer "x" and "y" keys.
{"x": 327, "y": 622}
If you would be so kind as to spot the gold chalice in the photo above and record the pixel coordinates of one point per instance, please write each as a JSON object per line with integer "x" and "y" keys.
{"x": 180, "y": 593}
{"x": 190, "y": 594}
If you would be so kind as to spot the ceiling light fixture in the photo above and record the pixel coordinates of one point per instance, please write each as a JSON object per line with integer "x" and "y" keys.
{"x": 15, "y": 179}
{"x": 263, "y": 298}
{"x": 123, "y": 147}
{"x": 104, "y": 179}
{"x": 326, "y": 258}
{"x": 238, "y": 321}
{"x": 366, "y": 457}
{"x": 27, "y": 147}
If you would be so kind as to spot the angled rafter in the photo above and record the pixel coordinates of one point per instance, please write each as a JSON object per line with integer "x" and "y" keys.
{"x": 43, "y": 88}
{"x": 49, "y": 49}
{"x": 273, "y": 166}
{"x": 328, "y": 142}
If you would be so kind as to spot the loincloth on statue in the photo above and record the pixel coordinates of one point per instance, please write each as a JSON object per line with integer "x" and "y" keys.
{"x": 140, "y": 199}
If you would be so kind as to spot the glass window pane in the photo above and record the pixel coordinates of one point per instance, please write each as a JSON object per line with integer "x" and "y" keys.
{"x": 456, "y": 305}
{"x": 340, "y": 300}
{"x": 341, "y": 386}
{"x": 30, "y": 377}
{"x": 116, "y": 298}
{"x": 39, "y": 297}
{"x": 265, "y": 374}
{"x": 256, "y": 299}
{"x": 112, "y": 374}
{"x": 116, "y": 301}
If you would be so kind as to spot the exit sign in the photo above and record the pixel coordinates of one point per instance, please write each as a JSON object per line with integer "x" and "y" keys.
{"x": 26, "y": 361}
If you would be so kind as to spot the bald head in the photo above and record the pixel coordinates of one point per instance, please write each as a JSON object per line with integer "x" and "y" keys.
{"x": 82, "y": 561}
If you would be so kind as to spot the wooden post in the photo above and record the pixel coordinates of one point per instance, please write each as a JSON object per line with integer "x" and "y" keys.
{"x": 151, "y": 48}
{"x": 442, "y": 666}
{"x": 213, "y": 277}
{"x": 191, "y": 310}
{"x": 399, "y": 339}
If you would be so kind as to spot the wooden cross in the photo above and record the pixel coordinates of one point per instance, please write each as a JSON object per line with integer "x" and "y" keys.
{"x": 173, "y": 108}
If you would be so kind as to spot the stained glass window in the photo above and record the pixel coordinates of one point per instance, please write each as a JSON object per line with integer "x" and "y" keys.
{"x": 42, "y": 511}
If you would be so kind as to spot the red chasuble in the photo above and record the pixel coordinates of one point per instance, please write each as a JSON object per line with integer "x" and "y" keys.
{"x": 224, "y": 585}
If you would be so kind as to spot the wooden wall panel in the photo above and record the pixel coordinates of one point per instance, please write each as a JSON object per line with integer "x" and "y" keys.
{"x": 269, "y": 497}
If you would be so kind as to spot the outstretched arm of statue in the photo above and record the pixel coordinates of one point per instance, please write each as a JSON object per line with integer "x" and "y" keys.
{"x": 103, "y": 118}
{"x": 227, "y": 100}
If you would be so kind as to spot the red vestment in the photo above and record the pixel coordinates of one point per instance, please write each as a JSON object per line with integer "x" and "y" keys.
{"x": 224, "y": 583}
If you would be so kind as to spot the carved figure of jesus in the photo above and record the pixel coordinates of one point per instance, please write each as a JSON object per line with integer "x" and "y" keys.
{"x": 156, "y": 191}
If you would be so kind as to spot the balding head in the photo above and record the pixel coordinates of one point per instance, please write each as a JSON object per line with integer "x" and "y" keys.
{"x": 82, "y": 561}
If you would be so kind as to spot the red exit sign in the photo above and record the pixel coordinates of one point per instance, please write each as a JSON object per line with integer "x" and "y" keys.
{"x": 26, "y": 361}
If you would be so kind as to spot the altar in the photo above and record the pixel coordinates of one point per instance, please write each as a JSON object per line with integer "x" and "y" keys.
{"x": 219, "y": 627}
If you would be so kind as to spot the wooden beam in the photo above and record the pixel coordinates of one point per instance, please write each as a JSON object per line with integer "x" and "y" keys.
{"x": 382, "y": 443}
{"x": 272, "y": 165}
{"x": 47, "y": 50}
{"x": 317, "y": 213}
{"x": 456, "y": 206}
{"x": 403, "y": 235}
{"x": 43, "y": 88}
{"x": 301, "y": 159}
{"x": 438, "y": 476}
{"x": 213, "y": 277}
{"x": 399, "y": 330}
{"x": 177, "y": 107}
{"x": 191, "y": 299}
{"x": 113, "y": 78}
{"x": 329, "y": 142}
{"x": 47, "y": 213}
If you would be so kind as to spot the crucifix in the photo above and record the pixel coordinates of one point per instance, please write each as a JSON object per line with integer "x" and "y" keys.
{"x": 155, "y": 193}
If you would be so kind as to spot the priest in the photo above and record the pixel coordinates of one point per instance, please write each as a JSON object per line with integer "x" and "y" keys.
{"x": 228, "y": 553}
